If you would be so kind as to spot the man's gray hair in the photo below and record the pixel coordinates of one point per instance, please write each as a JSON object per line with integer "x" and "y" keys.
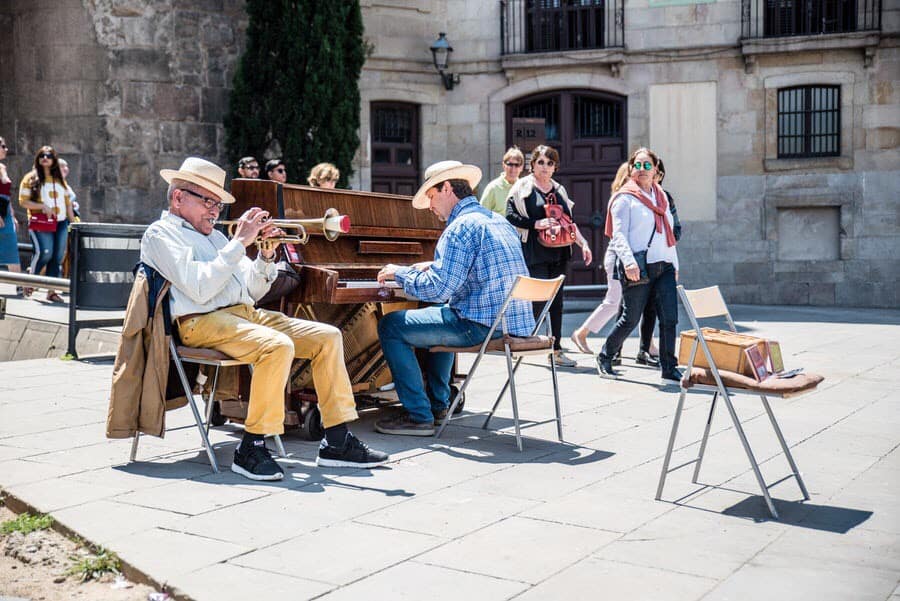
{"x": 173, "y": 185}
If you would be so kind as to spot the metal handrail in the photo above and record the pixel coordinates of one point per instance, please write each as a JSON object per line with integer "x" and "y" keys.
{"x": 34, "y": 281}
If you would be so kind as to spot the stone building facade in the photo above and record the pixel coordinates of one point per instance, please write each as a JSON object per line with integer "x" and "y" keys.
{"x": 125, "y": 87}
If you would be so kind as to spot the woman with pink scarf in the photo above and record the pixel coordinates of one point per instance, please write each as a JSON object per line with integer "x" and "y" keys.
{"x": 640, "y": 227}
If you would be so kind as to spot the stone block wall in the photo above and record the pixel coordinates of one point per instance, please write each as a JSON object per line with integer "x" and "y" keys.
{"x": 121, "y": 88}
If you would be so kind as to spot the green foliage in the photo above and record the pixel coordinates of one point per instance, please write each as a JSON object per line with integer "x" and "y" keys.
{"x": 297, "y": 85}
{"x": 93, "y": 567}
{"x": 26, "y": 523}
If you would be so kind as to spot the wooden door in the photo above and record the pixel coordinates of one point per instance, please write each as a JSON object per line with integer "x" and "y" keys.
{"x": 587, "y": 128}
{"x": 395, "y": 147}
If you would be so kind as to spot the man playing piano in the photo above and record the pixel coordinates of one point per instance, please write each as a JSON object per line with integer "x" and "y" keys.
{"x": 477, "y": 259}
{"x": 214, "y": 286}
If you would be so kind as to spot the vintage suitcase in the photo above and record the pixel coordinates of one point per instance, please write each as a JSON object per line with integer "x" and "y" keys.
{"x": 726, "y": 347}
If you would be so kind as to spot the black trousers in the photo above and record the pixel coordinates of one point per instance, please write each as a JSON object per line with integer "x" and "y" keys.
{"x": 549, "y": 271}
{"x": 661, "y": 287}
{"x": 648, "y": 322}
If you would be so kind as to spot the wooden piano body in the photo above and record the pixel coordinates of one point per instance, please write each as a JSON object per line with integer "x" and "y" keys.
{"x": 338, "y": 279}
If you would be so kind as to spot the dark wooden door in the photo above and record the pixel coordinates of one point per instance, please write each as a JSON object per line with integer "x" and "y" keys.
{"x": 395, "y": 147}
{"x": 587, "y": 128}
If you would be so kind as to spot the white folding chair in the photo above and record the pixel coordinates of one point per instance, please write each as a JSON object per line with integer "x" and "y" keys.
{"x": 708, "y": 302}
{"x": 523, "y": 289}
{"x": 212, "y": 358}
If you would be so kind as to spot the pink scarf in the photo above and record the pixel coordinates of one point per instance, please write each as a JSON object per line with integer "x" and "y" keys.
{"x": 659, "y": 212}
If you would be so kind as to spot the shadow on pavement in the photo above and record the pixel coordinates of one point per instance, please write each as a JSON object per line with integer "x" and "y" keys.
{"x": 828, "y": 518}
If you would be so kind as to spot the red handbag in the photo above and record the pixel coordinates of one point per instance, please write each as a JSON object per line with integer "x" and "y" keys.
{"x": 42, "y": 222}
{"x": 565, "y": 234}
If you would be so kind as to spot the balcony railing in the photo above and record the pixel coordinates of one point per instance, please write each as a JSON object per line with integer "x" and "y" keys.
{"x": 787, "y": 18}
{"x": 554, "y": 25}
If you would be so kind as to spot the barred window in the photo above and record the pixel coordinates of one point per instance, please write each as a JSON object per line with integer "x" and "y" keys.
{"x": 809, "y": 121}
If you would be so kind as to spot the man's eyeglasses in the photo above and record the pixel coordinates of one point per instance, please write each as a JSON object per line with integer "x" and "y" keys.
{"x": 209, "y": 203}
{"x": 646, "y": 165}
{"x": 548, "y": 162}
{"x": 251, "y": 167}
{"x": 512, "y": 164}
{"x": 43, "y": 155}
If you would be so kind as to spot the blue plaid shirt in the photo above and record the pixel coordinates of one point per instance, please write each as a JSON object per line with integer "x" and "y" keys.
{"x": 477, "y": 259}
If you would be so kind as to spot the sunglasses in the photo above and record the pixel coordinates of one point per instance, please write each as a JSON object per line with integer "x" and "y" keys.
{"x": 279, "y": 170}
{"x": 252, "y": 167}
{"x": 4, "y": 146}
{"x": 511, "y": 164}
{"x": 548, "y": 162}
{"x": 43, "y": 155}
{"x": 209, "y": 203}
{"x": 646, "y": 165}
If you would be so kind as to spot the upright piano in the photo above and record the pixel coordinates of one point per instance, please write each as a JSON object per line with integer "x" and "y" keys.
{"x": 338, "y": 284}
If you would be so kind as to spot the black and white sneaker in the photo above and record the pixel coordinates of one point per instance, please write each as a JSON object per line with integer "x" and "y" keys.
{"x": 257, "y": 463}
{"x": 354, "y": 453}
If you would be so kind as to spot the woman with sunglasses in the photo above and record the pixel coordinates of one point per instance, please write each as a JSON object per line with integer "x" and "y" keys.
{"x": 9, "y": 244}
{"x": 497, "y": 191}
{"x": 525, "y": 210}
{"x": 44, "y": 191}
{"x": 639, "y": 224}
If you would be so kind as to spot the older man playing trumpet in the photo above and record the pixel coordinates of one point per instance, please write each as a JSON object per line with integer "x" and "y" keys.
{"x": 214, "y": 287}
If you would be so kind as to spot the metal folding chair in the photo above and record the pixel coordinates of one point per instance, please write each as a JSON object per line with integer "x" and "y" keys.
{"x": 708, "y": 302}
{"x": 212, "y": 358}
{"x": 524, "y": 289}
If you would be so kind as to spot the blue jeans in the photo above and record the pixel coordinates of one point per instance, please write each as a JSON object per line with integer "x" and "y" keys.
{"x": 401, "y": 332}
{"x": 49, "y": 249}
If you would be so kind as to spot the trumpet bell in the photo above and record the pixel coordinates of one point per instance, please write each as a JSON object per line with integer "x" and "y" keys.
{"x": 335, "y": 224}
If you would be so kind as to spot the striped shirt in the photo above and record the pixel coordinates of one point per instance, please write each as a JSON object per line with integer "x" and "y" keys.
{"x": 477, "y": 259}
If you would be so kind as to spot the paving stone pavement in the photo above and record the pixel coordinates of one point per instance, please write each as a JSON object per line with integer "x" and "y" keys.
{"x": 469, "y": 517}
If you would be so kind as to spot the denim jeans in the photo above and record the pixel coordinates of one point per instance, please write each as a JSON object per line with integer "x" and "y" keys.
{"x": 49, "y": 249}
{"x": 401, "y": 332}
{"x": 634, "y": 298}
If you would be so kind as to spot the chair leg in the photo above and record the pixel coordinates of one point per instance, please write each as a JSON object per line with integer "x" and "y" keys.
{"x": 197, "y": 418}
{"x": 709, "y": 418}
{"x": 212, "y": 397}
{"x": 500, "y": 396}
{"x": 279, "y": 446}
{"x": 753, "y": 463}
{"x": 672, "y": 434}
{"x": 512, "y": 394}
{"x": 556, "y": 398}
{"x": 784, "y": 447}
{"x": 134, "y": 446}
{"x": 456, "y": 399}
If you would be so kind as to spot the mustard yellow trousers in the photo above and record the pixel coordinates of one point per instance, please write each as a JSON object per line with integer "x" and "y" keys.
{"x": 270, "y": 341}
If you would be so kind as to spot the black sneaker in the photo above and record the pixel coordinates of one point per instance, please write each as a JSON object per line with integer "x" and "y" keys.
{"x": 440, "y": 414}
{"x": 257, "y": 463}
{"x": 354, "y": 453}
{"x": 402, "y": 425}
{"x": 605, "y": 368}
{"x": 645, "y": 358}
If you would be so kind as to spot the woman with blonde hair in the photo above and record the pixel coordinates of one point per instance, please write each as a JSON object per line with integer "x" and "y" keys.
{"x": 323, "y": 175}
{"x": 610, "y": 305}
{"x": 48, "y": 199}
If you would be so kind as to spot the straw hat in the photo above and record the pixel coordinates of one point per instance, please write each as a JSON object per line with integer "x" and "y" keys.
{"x": 203, "y": 173}
{"x": 441, "y": 172}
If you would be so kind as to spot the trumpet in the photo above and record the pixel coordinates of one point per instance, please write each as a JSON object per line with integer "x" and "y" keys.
{"x": 332, "y": 225}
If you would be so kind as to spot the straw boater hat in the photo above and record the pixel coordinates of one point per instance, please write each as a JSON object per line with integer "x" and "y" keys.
{"x": 441, "y": 172}
{"x": 203, "y": 173}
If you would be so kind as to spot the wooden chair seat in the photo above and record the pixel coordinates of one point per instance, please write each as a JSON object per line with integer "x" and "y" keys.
{"x": 782, "y": 387}
{"x": 205, "y": 354}
{"x": 517, "y": 344}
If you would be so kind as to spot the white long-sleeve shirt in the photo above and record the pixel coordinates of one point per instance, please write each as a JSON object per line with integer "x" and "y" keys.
{"x": 633, "y": 224}
{"x": 206, "y": 272}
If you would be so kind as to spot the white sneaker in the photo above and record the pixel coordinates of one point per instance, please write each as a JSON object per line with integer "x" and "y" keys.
{"x": 562, "y": 360}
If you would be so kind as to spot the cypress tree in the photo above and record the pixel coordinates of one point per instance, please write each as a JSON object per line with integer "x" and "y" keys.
{"x": 296, "y": 88}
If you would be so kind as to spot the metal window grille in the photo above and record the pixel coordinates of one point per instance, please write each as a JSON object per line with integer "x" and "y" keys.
{"x": 547, "y": 109}
{"x": 596, "y": 118}
{"x": 392, "y": 125}
{"x": 553, "y": 25}
{"x": 809, "y": 121}
{"x": 784, "y": 18}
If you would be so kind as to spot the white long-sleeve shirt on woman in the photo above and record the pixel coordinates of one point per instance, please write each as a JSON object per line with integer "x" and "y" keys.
{"x": 206, "y": 272}
{"x": 633, "y": 224}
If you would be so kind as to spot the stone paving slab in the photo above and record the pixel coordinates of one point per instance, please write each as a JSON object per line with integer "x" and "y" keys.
{"x": 469, "y": 517}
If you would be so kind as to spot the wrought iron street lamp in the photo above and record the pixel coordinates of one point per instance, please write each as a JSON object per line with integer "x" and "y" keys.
{"x": 440, "y": 54}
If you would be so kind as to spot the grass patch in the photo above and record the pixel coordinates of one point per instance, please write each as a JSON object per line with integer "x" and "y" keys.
{"x": 26, "y": 523}
{"x": 93, "y": 567}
